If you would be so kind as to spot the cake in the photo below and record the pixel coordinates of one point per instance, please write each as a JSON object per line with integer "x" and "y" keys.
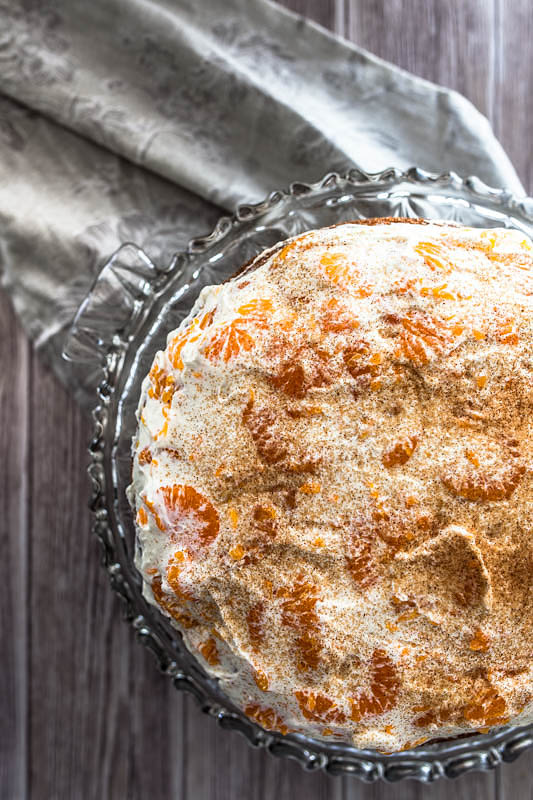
{"x": 332, "y": 480}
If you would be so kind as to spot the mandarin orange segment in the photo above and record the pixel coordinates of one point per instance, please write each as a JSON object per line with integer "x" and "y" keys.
{"x": 206, "y": 320}
{"x": 361, "y": 565}
{"x": 188, "y": 509}
{"x": 301, "y": 411}
{"x": 174, "y": 570}
{"x": 478, "y": 485}
{"x": 357, "y": 360}
{"x": 361, "y": 363}
{"x": 307, "y": 368}
{"x": 256, "y": 309}
{"x": 291, "y": 380}
{"x": 521, "y": 260}
{"x": 318, "y": 707}
{"x": 266, "y": 717}
{"x": 237, "y": 552}
{"x": 431, "y": 717}
{"x": 487, "y": 709}
{"x": 189, "y": 334}
{"x": 171, "y": 604}
{"x": 234, "y": 517}
{"x": 311, "y": 487}
{"x": 360, "y": 559}
{"x": 367, "y": 533}
{"x": 336, "y": 317}
{"x": 309, "y": 647}
{"x": 298, "y": 611}
{"x": 255, "y": 622}
{"x": 284, "y": 252}
{"x": 400, "y": 453}
{"x": 506, "y": 332}
{"x": 230, "y": 339}
{"x": 435, "y": 256}
{"x": 158, "y": 521}
{"x": 263, "y": 425}
{"x": 292, "y": 248}
{"x": 162, "y": 384}
{"x": 261, "y": 680}
{"x": 264, "y": 513}
{"x": 209, "y": 651}
{"x": 340, "y": 271}
{"x": 336, "y": 267}
{"x": 480, "y": 641}
{"x": 384, "y": 688}
{"x": 145, "y": 456}
{"x": 438, "y": 292}
{"x": 472, "y": 457}
{"x": 174, "y": 350}
{"x": 422, "y": 336}
{"x": 142, "y": 516}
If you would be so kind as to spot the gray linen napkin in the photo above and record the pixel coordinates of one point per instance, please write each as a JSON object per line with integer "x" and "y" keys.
{"x": 140, "y": 120}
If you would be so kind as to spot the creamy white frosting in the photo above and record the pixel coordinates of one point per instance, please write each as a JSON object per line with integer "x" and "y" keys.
{"x": 202, "y": 425}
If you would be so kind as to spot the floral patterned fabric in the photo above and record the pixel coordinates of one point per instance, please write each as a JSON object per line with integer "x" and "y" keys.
{"x": 140, "y": 121}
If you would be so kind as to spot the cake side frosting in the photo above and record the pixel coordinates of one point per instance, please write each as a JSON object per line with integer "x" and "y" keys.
{"x": 332, "y": 483}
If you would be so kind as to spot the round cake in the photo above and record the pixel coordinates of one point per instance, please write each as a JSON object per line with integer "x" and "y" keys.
{"x": 332, "y": 483}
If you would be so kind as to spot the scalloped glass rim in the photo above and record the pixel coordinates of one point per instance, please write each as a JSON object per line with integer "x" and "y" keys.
{"x": 118, "y": 328}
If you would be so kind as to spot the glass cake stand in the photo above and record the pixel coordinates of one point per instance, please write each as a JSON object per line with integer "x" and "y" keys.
{"x": 124, "y": 321}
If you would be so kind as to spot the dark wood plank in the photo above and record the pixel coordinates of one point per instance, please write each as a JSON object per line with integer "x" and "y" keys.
{"x": 468, "y": 787}
{"x": 515, "y": 781}
{"x": 321, "y": 11}
{"x": 479, "y": 48}
{"x": 450, "y": 43}
{"x": 222, "y": 766}
{"x": 513, "y": 67}
{"x": 14, "y": 410}
{"x": 99, "y": 711}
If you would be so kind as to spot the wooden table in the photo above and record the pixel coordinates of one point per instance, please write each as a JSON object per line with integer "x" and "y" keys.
{"x": 84, "y": 713}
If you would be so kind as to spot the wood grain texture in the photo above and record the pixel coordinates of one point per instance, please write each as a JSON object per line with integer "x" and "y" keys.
{"x": 15, "y": 491}
{"x": 481, "y": 48}
{"x": 321, "y": 11}
{"x": 85, "y": 713}
{"x": 99, "y": 711}
{"x": 512, "y": 111}
{"x": 449, "y": 43}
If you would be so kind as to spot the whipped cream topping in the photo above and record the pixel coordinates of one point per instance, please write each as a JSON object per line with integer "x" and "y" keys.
{"x": 332, "y": 483}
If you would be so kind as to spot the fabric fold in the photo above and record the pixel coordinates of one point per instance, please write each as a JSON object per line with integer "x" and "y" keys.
{"x": 140, "y": 120}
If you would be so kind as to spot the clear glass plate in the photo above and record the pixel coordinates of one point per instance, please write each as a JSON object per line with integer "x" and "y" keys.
{"x": 124, "y": 321}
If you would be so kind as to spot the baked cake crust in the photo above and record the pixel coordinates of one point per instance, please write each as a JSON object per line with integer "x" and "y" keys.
{"x": 332, "y": 483}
